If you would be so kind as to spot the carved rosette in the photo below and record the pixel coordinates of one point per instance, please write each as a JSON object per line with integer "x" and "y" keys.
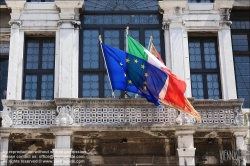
{"x": 64, "y": 117}
{"x": 185, "y": 119}
{"x": 6, "y": 121}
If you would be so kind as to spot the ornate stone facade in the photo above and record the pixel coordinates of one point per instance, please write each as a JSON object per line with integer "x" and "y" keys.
{"x": 107, "y": 131}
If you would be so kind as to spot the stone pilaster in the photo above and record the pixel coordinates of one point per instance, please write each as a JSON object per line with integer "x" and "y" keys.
{"x": 4, "y": 146}
{"x": 240, "y": 146}
{"x": 226, "y": 53}
{"x": 16, "y": 50}
{"x": 186, "y": 150}
{"x": 68, "y": 39}
{"x": 177, "y": 56}
{"x": 62, "y": 151}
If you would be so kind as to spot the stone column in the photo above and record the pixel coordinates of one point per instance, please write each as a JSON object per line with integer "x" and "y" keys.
{"x": 14, "y": 87}
{"x": 68, "y": 39}
{"x": 186, "y": 150}
{"x": 62, "y": 151}
{"x": 226, "y": 57}
{"x": 4, "y": 145}
{"x": 176, "y": 41}
{"x": 240, "y": 146}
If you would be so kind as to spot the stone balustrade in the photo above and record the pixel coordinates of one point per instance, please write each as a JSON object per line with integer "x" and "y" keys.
{"x": 116, "y": 112}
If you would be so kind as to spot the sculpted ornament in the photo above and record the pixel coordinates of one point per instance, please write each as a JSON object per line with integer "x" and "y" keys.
{"x": 63, "y": 118}
{"x": 185, "y": 119}
{"x": 6, "y": 121}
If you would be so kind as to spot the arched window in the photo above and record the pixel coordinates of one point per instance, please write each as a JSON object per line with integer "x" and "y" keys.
{"x": 109, "y": 19}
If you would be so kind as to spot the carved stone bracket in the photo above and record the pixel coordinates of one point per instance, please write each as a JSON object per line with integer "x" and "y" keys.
{"x": 64, "y": 116}
{"x": 7, "y": 121}
{"x": 165, "y": 24}
{"x": 76, "y": 23}
{"x": 19, "y": 23}
{"x": 185, "y": 119}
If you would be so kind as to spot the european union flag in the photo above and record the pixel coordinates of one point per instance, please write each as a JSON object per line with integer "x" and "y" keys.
{"x": 130, "y": 73}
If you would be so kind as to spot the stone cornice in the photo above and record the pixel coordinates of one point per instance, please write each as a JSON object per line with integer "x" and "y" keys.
{"x": 29, "y": 103}
{"x": 222, "y": 4}
{"x": 66, "y": 4}
{"x": 15, "y": 4}
{"x": 171, "y": 4}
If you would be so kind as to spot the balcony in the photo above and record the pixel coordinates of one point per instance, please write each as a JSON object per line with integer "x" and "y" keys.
{"x": 116, "y": 112}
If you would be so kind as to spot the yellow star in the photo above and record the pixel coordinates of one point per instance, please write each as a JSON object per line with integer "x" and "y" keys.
{"x": 125, "y": 75}
{"x": 145, "y": 82}
{"x": 146, "y": 75}
{"x": 121, "y": 63}
{"x": 142, "y": 66}
{"x": 144, "y": 88}
{"x": 129, "y": 81}
{"x": 128, "y": 60}
{"x": 136, "y": 61}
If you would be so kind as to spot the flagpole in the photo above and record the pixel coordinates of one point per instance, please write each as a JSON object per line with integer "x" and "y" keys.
{"x": 150, "y": 42}
{"x": 124, "y": 93}
{"x": 100, "y": 39}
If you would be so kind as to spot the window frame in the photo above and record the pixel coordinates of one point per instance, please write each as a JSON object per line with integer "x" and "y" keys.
{"x": 38, "y": 72}
{"x": 203, "y": 71}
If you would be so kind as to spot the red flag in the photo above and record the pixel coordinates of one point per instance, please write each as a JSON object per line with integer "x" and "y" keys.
{"x": 174, "y": 96}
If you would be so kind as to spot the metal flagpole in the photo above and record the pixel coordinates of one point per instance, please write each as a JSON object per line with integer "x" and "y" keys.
{"x": 124, "y": 93}
{"x": 150, "y": 42}
{"x": 100, "y": 39}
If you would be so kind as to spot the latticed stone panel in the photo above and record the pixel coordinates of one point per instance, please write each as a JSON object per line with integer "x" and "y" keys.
{"x": 219, "y": 116}
{"x": 124, "y": 116}
{"x": 36, "y": 117}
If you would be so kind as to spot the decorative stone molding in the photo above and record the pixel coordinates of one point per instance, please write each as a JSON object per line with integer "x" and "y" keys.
{"x": 63, "y": 118}
{"x": 59, "y": 23}
{"x": 19, "y": 23}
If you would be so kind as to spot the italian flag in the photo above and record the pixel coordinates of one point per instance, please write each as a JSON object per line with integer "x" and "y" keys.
{"x": 172, "y": 93}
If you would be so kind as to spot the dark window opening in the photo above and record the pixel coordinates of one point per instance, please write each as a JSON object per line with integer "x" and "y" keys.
{"x": 201, "y": 1}
{"x": 204, "y": 68}
{"x": 241, "y": 51}
{"x": 38, "y": 82}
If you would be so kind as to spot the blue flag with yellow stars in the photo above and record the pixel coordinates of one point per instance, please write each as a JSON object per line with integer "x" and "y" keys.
{"x": 128, "y": 71}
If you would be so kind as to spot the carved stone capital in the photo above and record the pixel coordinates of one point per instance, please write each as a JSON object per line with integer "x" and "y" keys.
{"x": 76, "y": 23}
{"x": 19, "y": 23}
{"x": 64, "y": 116}
{"x": 165, "y": 24}
{"x": 59, "y": 23}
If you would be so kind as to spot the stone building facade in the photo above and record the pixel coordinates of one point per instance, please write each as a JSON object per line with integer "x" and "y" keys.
{"x": 56, "y": 103}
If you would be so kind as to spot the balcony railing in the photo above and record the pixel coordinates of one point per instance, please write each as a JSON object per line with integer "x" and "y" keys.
{"x": 115, "y": 112}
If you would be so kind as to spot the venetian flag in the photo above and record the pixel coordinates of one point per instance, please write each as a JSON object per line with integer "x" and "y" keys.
{"x": 155, "y": 53}
{"x": 172, "y": 92}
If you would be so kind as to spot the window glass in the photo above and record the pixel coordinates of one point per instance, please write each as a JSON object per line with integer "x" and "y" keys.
{"x": 39, "y": 69}
{"x": 240, "y": 31}
{"x": 205, "y": 81}
{"x": 3, "y": 80}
